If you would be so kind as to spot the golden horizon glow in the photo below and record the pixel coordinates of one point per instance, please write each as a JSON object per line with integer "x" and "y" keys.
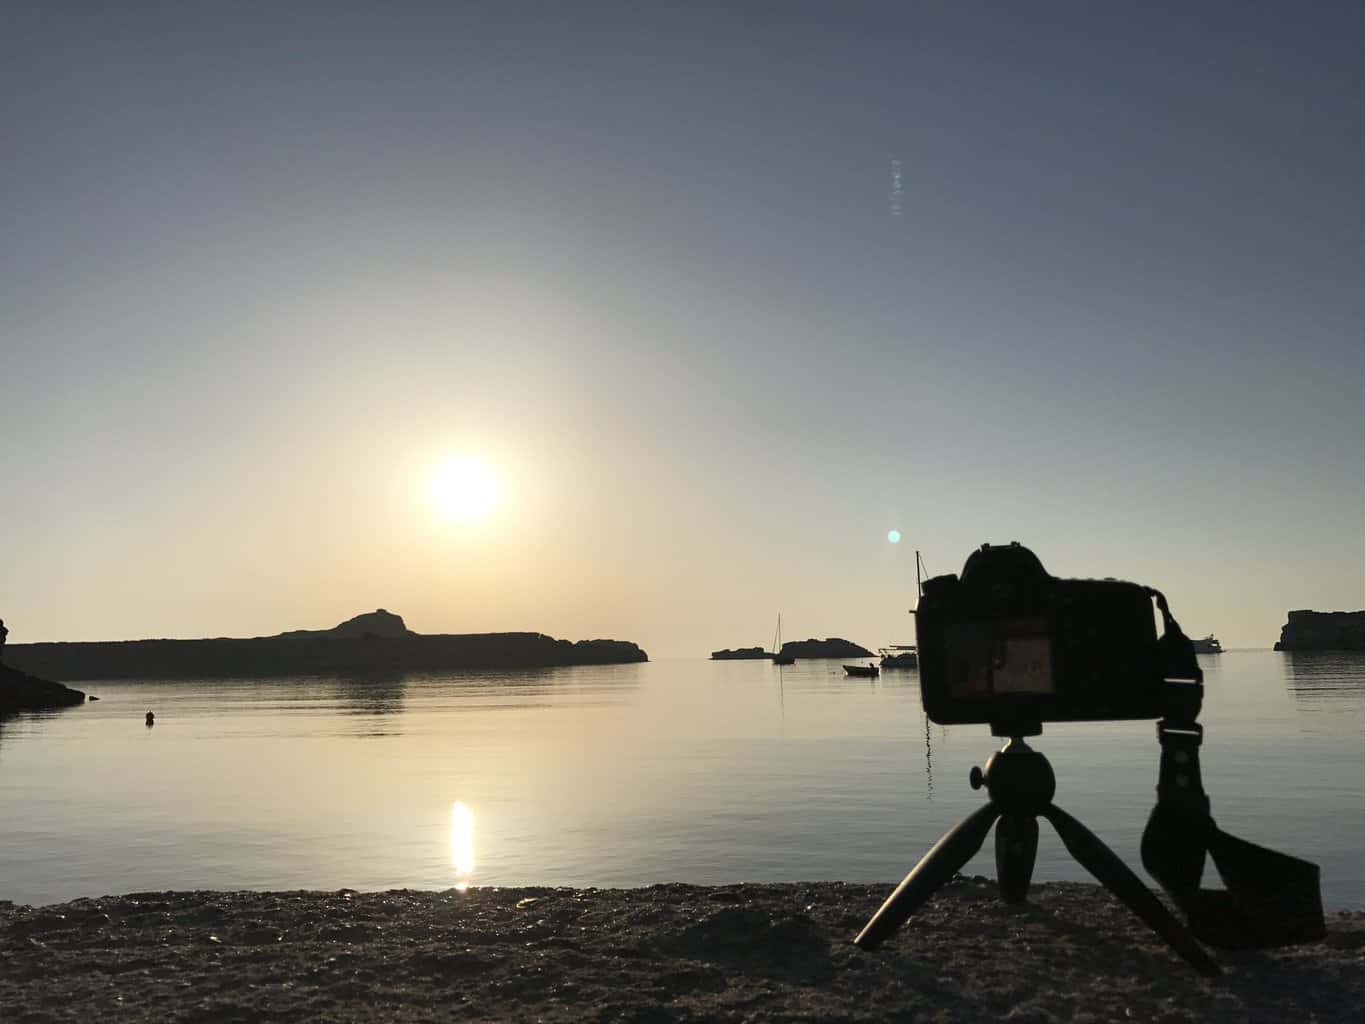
{"x": 464, "y": 489}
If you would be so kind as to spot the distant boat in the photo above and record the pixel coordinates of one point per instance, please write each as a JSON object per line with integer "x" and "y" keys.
{"x": 866, "y": 671}
{"x": 754, "y": 653}
{"x": 778, "y": 657}
{"x": 1208, "y": 645}
{"x": 900, "y": 656}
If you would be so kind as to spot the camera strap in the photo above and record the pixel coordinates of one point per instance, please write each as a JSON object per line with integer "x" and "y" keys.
{"x": 1270, "y": 898}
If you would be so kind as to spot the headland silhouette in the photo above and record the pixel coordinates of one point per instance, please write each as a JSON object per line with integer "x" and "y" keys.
{"x": 373, "y": 641}
{"x": 1322, "y": 631}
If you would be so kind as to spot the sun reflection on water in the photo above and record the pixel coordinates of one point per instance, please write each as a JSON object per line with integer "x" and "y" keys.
{"x": 462, "y": 843}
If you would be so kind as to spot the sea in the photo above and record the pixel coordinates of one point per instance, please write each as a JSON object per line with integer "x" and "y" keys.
{"x": 624, "y": 775}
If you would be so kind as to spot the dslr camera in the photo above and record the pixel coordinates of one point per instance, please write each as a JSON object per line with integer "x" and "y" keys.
{"x": 1009, "y": 645}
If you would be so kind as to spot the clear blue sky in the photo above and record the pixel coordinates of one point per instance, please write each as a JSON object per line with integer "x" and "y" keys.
{"x": 722, "y": 294}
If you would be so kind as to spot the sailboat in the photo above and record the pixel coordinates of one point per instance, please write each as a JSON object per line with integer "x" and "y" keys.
{"x": 778, "y": 657}
{"x": 906, "y": 655}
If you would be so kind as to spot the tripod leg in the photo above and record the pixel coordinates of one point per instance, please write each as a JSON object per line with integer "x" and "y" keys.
{"x": 1116, "y": 876}
{"x": 1016, "y": 848}
{"x": 937, "y": 866}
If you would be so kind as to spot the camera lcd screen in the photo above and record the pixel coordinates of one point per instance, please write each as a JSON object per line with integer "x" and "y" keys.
{"x": 1000, "y": 657}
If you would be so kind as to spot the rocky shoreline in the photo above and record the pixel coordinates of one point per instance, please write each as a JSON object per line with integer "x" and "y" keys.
{"x": 664, "y": 953}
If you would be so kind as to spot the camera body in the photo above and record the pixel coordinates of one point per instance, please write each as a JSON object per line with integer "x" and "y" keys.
{"x": 1009, "y": 645}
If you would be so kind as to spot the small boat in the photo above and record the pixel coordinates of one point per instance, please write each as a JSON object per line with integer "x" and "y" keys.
{"x": 900, "y": 656}
{"x": 1208, "y": 645}
{"x": 777, "y": 656}
{"x": 866, "y": 671}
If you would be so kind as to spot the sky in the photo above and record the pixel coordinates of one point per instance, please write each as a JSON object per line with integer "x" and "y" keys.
{"x": 719, "y": 294}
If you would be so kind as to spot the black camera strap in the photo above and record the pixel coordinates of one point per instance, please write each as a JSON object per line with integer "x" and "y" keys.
{"x": 1270, "y": 898}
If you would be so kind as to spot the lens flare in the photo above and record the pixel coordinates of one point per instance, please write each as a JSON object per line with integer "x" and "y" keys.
{"x": 894, "y": 536}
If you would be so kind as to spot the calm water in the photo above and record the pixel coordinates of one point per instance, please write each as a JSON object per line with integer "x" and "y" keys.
{"x": 624, "y": 775}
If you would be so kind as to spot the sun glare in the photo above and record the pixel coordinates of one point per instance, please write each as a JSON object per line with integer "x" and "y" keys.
{"x": 462, "y": 843}
{"x": 464, "y": 490}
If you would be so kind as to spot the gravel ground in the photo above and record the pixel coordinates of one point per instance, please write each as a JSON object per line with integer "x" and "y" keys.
{"x": 665, "y": 953}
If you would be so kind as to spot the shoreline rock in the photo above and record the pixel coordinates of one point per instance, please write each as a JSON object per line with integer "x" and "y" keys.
{"x": 665, "y": 953}
{"x": 20, "y": 691}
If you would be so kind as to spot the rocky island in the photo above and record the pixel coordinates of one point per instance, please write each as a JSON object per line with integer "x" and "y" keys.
{"x": 832, "y": 647}
{"x": 1323, "y": 631}
{"x": 375, "y": 641}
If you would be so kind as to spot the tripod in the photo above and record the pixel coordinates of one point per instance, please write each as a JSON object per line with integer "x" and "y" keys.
{"x": 1021, "y": 785}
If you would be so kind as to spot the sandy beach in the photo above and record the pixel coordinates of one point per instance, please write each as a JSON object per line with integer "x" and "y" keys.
{"x": 664, "y": 953}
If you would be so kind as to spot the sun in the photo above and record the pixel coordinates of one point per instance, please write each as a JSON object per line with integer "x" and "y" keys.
{"x": 464, "y": 489}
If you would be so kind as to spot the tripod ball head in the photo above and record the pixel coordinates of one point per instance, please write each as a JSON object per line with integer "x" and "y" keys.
{"x": 1018, "y": 779}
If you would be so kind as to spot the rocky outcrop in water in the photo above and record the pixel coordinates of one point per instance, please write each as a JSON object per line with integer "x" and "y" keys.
{"x": 20, "y": 691}
{"x": 377, "y": 641}
{"x": 740, "y": 654}
{"x": 1323, "y": 631}
{"x": 833, "y": 647}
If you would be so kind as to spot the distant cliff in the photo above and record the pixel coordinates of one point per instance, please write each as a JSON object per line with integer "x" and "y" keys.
{"x": 833, "y": 647}
{"x": 20, "y": 691}
{"x": 1323, "y": 631}
{"x": 377, "y": 641}
{"x": 740, "y": 654}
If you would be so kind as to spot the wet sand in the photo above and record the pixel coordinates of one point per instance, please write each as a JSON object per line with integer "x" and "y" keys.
{"x": 664, "y": 953}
